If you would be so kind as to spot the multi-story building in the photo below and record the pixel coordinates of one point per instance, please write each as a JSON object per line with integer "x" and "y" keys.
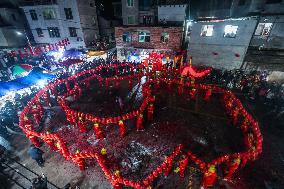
{"x": 108, "y": 17}
{"x": 149, "y": 25}
{"x": 52, "y": 20}
{"x": 237, "y": 34}
{"x": 13, "y": 30}
{"x": 138, "y": 41}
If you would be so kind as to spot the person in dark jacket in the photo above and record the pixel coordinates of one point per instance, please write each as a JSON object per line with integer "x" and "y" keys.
{"x": 36, "y": 154}
{"x": 39, "y": 182}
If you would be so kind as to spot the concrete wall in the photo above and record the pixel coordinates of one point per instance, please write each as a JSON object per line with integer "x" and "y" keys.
{"x": 130, "y": 11}
{"x": 275, "y": 40}
{"x": 3, "y": 41}
{"x": 89, "y": 20}
{"x": 59, "y": 22}
{"x": 10, "y": 36}
{"x": 171, "y": 12}
{"x": 149, "y": 13}
{"x": 106, "y": 28}
{"x": 218, "y": 51}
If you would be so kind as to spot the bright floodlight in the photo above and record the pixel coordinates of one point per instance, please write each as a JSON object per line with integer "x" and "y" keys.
{"x": 41, "y": 83}
{"x": 18, "y": 33}
{"x": 59, "y": 54}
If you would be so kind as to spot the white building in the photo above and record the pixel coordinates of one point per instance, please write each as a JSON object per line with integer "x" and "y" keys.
{"x": 221, "y": 43}
{"x": 55, "y": 20}
{"x": 12, "y": 28}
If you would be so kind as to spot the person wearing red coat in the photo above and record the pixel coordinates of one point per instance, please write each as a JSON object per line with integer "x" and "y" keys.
{"x": 232, "y": 168}
{"x": 150, "y": 112}
{"x": 209, "y": 177}
{"x": 98, "y": 131}
{"x": 139, "y": 124}
{"x": 122, "y": 128}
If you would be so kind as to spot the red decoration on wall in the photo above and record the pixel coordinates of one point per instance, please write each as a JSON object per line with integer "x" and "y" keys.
{"x": 38, "y": 50}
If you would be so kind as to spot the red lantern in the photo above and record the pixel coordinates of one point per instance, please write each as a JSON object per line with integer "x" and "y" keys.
{"x": 150, "y": 112}
{"x": 98, "y": 131}
{"x": 34, "y": 140}
{"x": 232, "y": 168}
{"x": 182, "y": 166}
{"x": 122, "y": 128}
{"x": 168, "y": 167}
{"x": 139, "y": 123}
{"x": 209, "y": 177}
{"x": 208, "y": 95}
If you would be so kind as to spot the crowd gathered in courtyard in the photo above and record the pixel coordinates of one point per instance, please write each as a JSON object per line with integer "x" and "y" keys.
{"x": 252, "y": 85}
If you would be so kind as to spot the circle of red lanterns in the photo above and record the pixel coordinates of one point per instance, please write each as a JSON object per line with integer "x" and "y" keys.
{"x": 32, "y": 114}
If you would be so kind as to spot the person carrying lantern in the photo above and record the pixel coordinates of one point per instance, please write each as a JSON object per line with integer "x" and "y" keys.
{"x": 118, "y": 175}
{"x": 150, "y": 112}
{"x": 122, "y": 128}
{"x": 98, "y": 131}
{"x": 249, "y": 141}
{"x": 209, "y": 177}
{"x": 232, "y": 168}
{"x": 139, "y": 124}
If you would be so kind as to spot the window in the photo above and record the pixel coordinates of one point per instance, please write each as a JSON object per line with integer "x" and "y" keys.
{"x": 263, "y": 29}
{"x": 241, "y": 2}
{"x": 13, "y": 17}
{"x": 33, "y": 14}
{"x": 39, "y": 32}
{"x": 53, "y": 32}
{"x": 49, "y": 14}
{"x": 68, "y": 13}
{"x": 126, "y": 37}
{"x": 144, "y": 37}
{"x": 72, "y": 32}
{"x": 230, "y": 31}
{"x": 165, "y": 37}
{"x": 207, "y": 30}
{"x": 130, "y": 20}
{"x": 273, "y": 1}
{"x": 130, "y": 3}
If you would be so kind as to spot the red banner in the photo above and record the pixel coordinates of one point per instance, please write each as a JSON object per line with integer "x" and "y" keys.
{"x": 39, "y": 50}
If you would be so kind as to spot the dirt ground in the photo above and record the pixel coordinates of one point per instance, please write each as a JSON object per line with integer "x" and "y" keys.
{"x": 201, "y": 127}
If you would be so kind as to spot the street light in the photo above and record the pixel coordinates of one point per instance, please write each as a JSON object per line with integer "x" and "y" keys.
{"x": 20, "y": 34}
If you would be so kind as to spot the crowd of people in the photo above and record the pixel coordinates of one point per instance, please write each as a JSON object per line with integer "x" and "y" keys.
{"x": 252, "y": 85}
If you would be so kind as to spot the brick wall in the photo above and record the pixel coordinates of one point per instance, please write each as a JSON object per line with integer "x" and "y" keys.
{"x": 175, "y": 35}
